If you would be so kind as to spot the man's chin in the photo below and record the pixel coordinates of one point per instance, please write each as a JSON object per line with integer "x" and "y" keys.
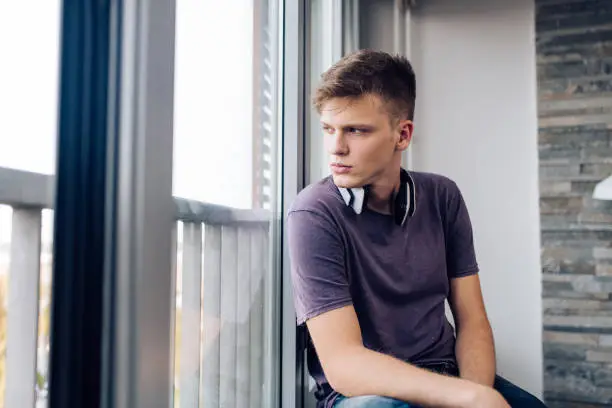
{"x": 343, "y": 181}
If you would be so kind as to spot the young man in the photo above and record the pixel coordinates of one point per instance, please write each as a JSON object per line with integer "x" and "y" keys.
{"x": 375, "y": 252}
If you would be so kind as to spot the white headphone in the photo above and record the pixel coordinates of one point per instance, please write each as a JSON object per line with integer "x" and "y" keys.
{"x": 404, "y": 204}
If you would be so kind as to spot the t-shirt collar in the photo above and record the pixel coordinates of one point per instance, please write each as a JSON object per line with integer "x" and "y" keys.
{"x": 405, "y": 200}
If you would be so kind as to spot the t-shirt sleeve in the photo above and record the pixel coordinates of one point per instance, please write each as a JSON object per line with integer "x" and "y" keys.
{"x": 318, "y": 268}
{"x": 460, "y": 253}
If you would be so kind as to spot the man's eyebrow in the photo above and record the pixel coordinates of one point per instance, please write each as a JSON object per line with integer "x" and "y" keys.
{"x": 352, "y": 125}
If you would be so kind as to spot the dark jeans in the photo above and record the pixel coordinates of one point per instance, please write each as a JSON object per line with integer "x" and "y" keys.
{"x": 516, "y": 397}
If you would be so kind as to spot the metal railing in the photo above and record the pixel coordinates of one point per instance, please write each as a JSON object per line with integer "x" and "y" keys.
{"x": 224, "y": 273}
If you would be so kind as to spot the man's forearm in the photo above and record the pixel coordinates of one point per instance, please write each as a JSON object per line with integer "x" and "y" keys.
{"x": 361, "y": 371}
{"x": 475, "y": 352}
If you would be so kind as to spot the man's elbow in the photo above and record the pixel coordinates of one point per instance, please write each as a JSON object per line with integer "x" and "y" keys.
{"x": 343, "y": 370}
{"x": 339, "y": 380}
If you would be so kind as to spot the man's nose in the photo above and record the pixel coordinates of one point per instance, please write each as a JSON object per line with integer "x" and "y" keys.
{"x": 337, "y": 144}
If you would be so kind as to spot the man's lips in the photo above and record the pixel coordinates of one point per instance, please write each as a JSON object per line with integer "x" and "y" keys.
{"x": 340, "y": 168}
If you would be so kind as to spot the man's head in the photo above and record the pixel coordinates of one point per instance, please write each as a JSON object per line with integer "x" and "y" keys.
{"x": 366, "y": 102}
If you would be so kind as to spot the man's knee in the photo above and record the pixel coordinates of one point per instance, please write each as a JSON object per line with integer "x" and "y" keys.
{"x": 370, "y": 401}
{"x": 516, "y": 396}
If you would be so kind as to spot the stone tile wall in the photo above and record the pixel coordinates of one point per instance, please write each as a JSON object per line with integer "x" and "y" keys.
{"x": 574, "y": 47}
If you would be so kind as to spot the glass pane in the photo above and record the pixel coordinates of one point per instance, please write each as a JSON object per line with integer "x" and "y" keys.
{"x": 325, "y": 48}
{"x": 226, "y": 159}
{"x": 29, "y": 45}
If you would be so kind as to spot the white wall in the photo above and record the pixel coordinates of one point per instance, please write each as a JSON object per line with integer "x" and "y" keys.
{"x": 476, "y": 122}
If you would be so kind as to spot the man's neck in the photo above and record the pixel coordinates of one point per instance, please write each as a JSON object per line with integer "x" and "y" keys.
{"x": 381, "y": 192}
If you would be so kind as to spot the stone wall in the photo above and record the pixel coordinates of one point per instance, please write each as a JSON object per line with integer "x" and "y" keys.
{"x": 574, "y": 46}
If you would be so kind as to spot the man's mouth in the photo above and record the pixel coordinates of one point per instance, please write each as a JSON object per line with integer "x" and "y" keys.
{"x": 339, "y": 168}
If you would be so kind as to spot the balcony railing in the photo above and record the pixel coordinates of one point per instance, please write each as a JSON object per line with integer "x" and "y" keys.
{"x": 223, "y": 275}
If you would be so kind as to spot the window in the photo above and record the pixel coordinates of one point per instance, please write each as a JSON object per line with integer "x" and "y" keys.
{"x": 226, "y": 172}
{"x": 29, "y": 43}
{"x": 331, "y": 32}
{"x": 229, "y": 193}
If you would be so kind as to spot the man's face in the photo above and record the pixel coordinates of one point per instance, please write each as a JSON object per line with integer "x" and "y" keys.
{"x": 362, "y": 143}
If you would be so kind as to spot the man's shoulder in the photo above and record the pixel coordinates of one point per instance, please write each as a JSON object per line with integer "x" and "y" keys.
{"x": 319, "y": 197}
{"x": 434, "y": 184}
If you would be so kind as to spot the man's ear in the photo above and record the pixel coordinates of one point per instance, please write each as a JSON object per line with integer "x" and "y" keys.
{"x": 405, "y": 129}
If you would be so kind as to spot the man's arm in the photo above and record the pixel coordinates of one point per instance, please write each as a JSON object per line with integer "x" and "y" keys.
{"x": 474, "y": 349}
{"x": 354, "y": 370}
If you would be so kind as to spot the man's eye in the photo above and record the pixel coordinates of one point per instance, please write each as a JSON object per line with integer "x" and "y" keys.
{"x": 356, "y": 131}
{"x": 328, "y": 130}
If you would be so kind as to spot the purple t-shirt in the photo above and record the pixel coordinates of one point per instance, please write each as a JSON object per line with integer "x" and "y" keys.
{"x": 396, "y": 275}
